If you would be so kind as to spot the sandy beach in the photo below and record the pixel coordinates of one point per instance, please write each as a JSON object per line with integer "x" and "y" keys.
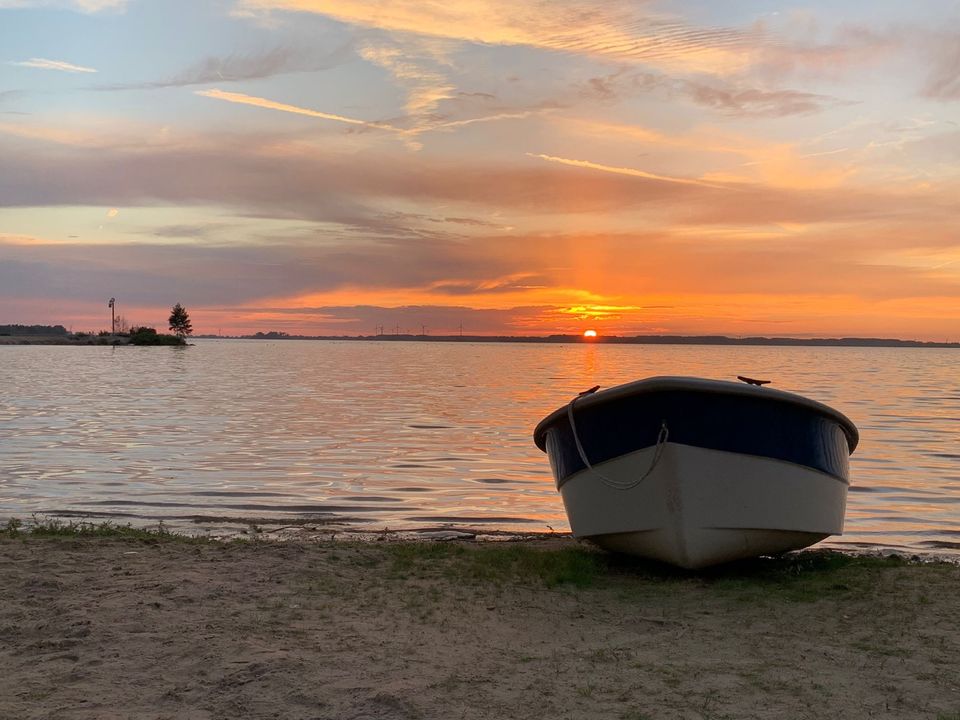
{"x": 127, "y": 628}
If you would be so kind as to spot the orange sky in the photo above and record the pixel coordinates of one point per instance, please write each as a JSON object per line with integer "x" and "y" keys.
{"x": 332, "y": 167}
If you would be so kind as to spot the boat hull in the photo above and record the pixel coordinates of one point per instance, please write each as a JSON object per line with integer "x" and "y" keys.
{"x": 700, "y": 507}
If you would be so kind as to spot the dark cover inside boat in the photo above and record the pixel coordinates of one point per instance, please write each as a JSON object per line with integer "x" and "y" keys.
{"x": 753, "y": 425}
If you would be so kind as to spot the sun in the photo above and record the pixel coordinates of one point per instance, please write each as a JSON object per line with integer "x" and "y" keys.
{"x": 589, "y": 333}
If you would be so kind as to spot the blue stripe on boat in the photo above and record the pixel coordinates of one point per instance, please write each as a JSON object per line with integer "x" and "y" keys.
{"x": 732, "y": 423}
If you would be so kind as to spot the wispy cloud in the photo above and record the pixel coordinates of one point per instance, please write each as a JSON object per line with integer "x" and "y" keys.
{"x": 418, "y": 68}
{"x": 243, "y": 99}
{"x": 728, "y": 98}
{"x": 943, "y": 82}
{"x": 45, "y": 64}
{"x": 518, "y": 115}
{"x": 622, "y": 171}
{"x": 245, "y": 66}
{"x": 756, "y": 102}
{"x": 271, "y": 177}
{"x": 5, "y": 97}
{"x": 823, "y": 153}
{"x": 419, "y": 127}
{"x": 617, "y": 29}
{"x": 806, "y": 48}
{"x": 406, "y": 283}
{"x": 84, "y": 6}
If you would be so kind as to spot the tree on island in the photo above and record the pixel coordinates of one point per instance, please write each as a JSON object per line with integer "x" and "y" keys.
{"x": 180, "y": 321}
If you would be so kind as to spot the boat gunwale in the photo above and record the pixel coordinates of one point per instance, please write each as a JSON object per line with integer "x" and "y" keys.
{"x": 668, "y": 383}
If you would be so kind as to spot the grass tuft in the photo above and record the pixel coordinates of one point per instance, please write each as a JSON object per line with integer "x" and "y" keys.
{"x": 499, "y": 563}
{"x": 53, "y": 528}
{"x": 804, "y": 576}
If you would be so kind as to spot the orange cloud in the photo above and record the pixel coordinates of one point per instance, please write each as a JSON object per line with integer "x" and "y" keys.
{"x": 45, "y": 64}
{"x": 620, "y": 170}
{"x": 243, "y": 99}
{"x": 620, "y": 29}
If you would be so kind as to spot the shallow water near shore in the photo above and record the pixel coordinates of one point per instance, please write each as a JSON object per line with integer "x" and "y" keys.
{"x": 405, "y": 435}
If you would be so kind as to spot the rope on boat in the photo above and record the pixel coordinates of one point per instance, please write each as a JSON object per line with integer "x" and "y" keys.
{"x": 662, "y": 438}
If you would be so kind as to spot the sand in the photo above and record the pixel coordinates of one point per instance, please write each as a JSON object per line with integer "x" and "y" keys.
{"x": 109, "y": 628}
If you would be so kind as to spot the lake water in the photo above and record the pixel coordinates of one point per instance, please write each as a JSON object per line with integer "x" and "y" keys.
{"x": 410, "y": 435}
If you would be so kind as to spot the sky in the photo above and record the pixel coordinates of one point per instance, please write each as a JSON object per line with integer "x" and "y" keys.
{"x": 749, "y": 167}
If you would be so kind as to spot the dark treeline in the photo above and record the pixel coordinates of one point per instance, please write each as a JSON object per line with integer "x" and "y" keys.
{"x": 619, "y": 340}
{"x": 32, "y": 330}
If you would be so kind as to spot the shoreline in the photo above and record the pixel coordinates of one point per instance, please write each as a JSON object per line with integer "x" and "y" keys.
{"x": 227, "y": 528}
{"x": 94, "y": 340}
{"x": 164, "y": 627}
{"x": 710, "y": 340}
{"x": 86, "y": 341}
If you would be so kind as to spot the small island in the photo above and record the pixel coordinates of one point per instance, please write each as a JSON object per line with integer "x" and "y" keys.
{"x": 57, "y": 335}
{"x": 139, "y": 336}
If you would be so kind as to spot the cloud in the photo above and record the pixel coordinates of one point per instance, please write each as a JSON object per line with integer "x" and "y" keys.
{"x": 45, "y": 64}
{"x": 273, "y": 177}
{"x": 803, "y": 49}
{"x": 631, "y": 172}
{"x": 245, "y": 66}
{"x": 306, "y": 182}
{"x": 241, "y": 274}
{"x": 419, "y": 125}
{"x": 509, "y": 115}
{"x": 83, "y": 6}
{"x": 625, "y": 281}
{"x": 417, "y": 67}
{"x": 713, "y": 92}
{"x": 943, "y": 82}
{"x": 243, "y": 99}
{"x": 191, "y": 231}
{"x": 7, "y": 96}
{"x": 755, "y": 102}
{"x": 619, "y": 29}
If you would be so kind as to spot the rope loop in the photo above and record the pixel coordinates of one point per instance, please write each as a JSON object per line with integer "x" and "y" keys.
{"x": 662, "y": 438}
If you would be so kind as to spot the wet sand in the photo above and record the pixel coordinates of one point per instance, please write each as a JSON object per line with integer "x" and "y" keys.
{"x": 115, "y": 628}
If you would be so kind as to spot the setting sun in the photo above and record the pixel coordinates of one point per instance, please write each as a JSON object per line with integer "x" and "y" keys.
{"x": 590, "y": 333}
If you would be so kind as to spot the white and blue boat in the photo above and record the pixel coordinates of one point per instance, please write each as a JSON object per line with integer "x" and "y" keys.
{"x": 697, "y": 472}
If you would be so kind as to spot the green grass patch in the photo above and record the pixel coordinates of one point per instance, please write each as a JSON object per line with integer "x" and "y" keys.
{"x": 54, "y": 528}
{"x": 805, "y": 576}
{"x": 498, "y": 563}
{"x": 796, "y": 577}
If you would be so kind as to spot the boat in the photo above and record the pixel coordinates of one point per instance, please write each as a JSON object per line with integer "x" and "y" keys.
{"x": 696, "y": 472}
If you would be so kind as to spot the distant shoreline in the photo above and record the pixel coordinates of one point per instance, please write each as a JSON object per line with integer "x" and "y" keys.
{"x": 721, "y": 340}
{"x": 87, "y": 341}
{"x": 81, "y": 341}
{"x": 611, "y": 340}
